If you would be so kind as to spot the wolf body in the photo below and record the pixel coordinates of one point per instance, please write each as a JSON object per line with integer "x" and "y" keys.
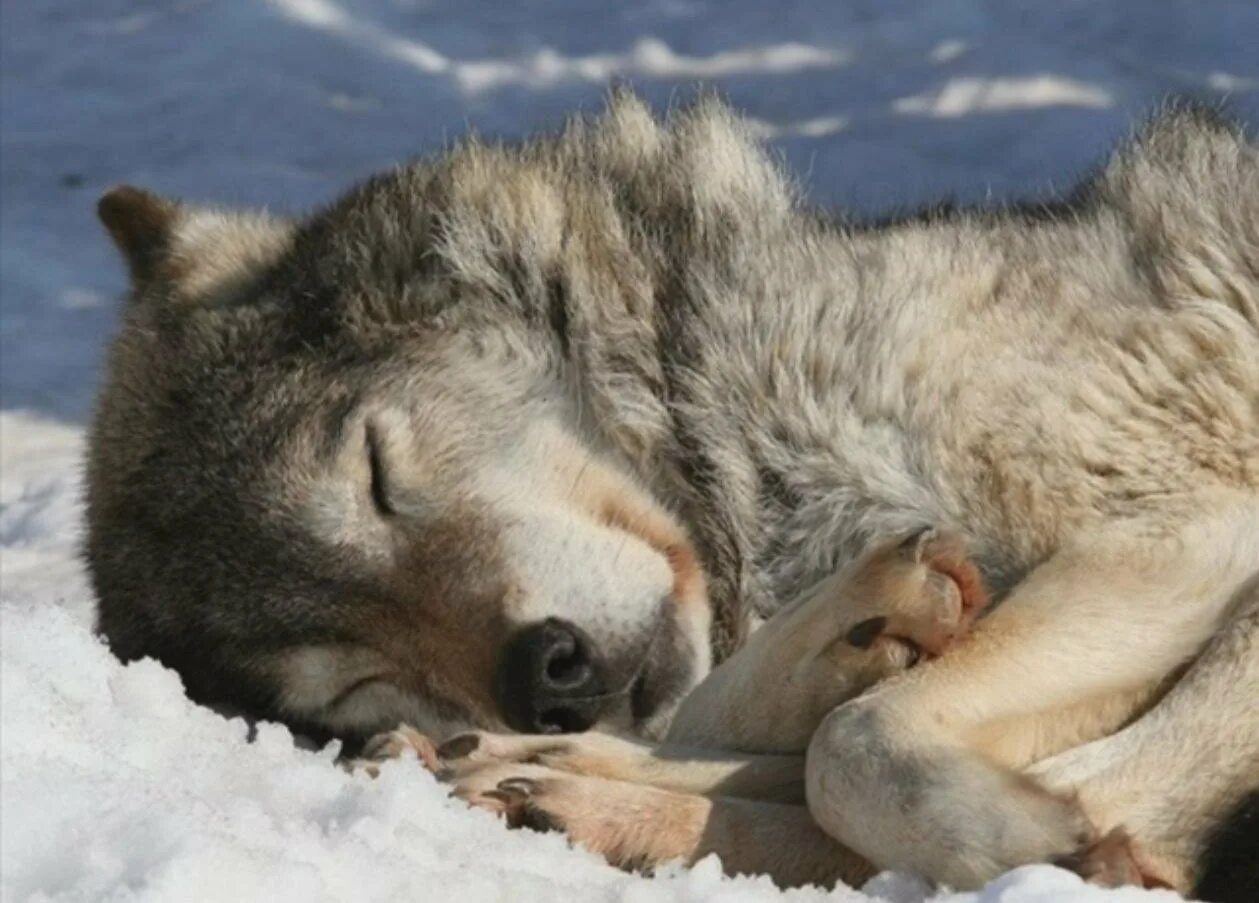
{"x": 519, "y": 437}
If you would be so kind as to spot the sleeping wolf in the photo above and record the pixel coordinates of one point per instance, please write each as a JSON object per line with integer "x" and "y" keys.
{"x": 518, "y": 437}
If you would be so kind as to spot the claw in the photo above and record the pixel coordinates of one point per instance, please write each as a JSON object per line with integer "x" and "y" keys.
{"x": 523, "y": 786}
{"x": 514, "y": 799}
{"x": 502, "y": 796}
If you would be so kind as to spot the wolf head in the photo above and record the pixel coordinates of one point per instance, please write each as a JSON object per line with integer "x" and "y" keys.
{"x": 355, "y": 469}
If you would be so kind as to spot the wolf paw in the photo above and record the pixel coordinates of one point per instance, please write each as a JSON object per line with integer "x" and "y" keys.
{"x": 926, "y": 591}
{"x": 907, "y": 602}
{"x": 516, "y": 795}
{"x": 632, "y": 826}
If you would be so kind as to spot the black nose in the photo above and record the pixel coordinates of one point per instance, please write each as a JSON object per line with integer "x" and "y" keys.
{"x": 550, "y": 681}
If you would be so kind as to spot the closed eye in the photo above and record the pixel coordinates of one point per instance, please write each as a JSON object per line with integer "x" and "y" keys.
{"x": 379, "y": 474}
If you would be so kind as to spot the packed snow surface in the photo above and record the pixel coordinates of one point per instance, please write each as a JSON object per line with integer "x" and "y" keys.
{"x": 115, "y": 786}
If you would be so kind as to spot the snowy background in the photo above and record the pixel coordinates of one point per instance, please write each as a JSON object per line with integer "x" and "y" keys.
{"x": 114, "y": 785}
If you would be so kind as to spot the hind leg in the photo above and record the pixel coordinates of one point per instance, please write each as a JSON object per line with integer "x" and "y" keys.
{"x": 906, "y": 774}
{"x": 1169, "y": 779}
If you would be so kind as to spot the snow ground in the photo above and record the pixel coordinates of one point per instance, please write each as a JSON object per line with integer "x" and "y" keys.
{"x": 114, "y": 786}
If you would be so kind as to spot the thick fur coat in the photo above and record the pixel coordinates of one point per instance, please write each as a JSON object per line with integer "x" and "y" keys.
{"x": 627, "y": 364}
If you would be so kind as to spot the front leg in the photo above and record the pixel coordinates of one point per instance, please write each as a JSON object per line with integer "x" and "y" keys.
{"x": 639, "y": 828}
{"x": 569, "y": 783}
{"x": 775, "y": 778}
{"x": 907, "y": 775}
{"x": 901, "y": 603}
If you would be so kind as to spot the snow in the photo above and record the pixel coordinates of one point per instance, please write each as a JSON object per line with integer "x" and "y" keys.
{"x": 112, "y": 784}
{"x": 964, "y": 96}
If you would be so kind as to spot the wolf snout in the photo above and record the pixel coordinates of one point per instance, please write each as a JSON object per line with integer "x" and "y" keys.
{"x": 551, "y": 680}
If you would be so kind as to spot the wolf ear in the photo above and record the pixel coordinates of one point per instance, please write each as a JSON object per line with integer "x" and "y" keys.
{"x": 141, "y": 224}
{"x": 200, "y": 255}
